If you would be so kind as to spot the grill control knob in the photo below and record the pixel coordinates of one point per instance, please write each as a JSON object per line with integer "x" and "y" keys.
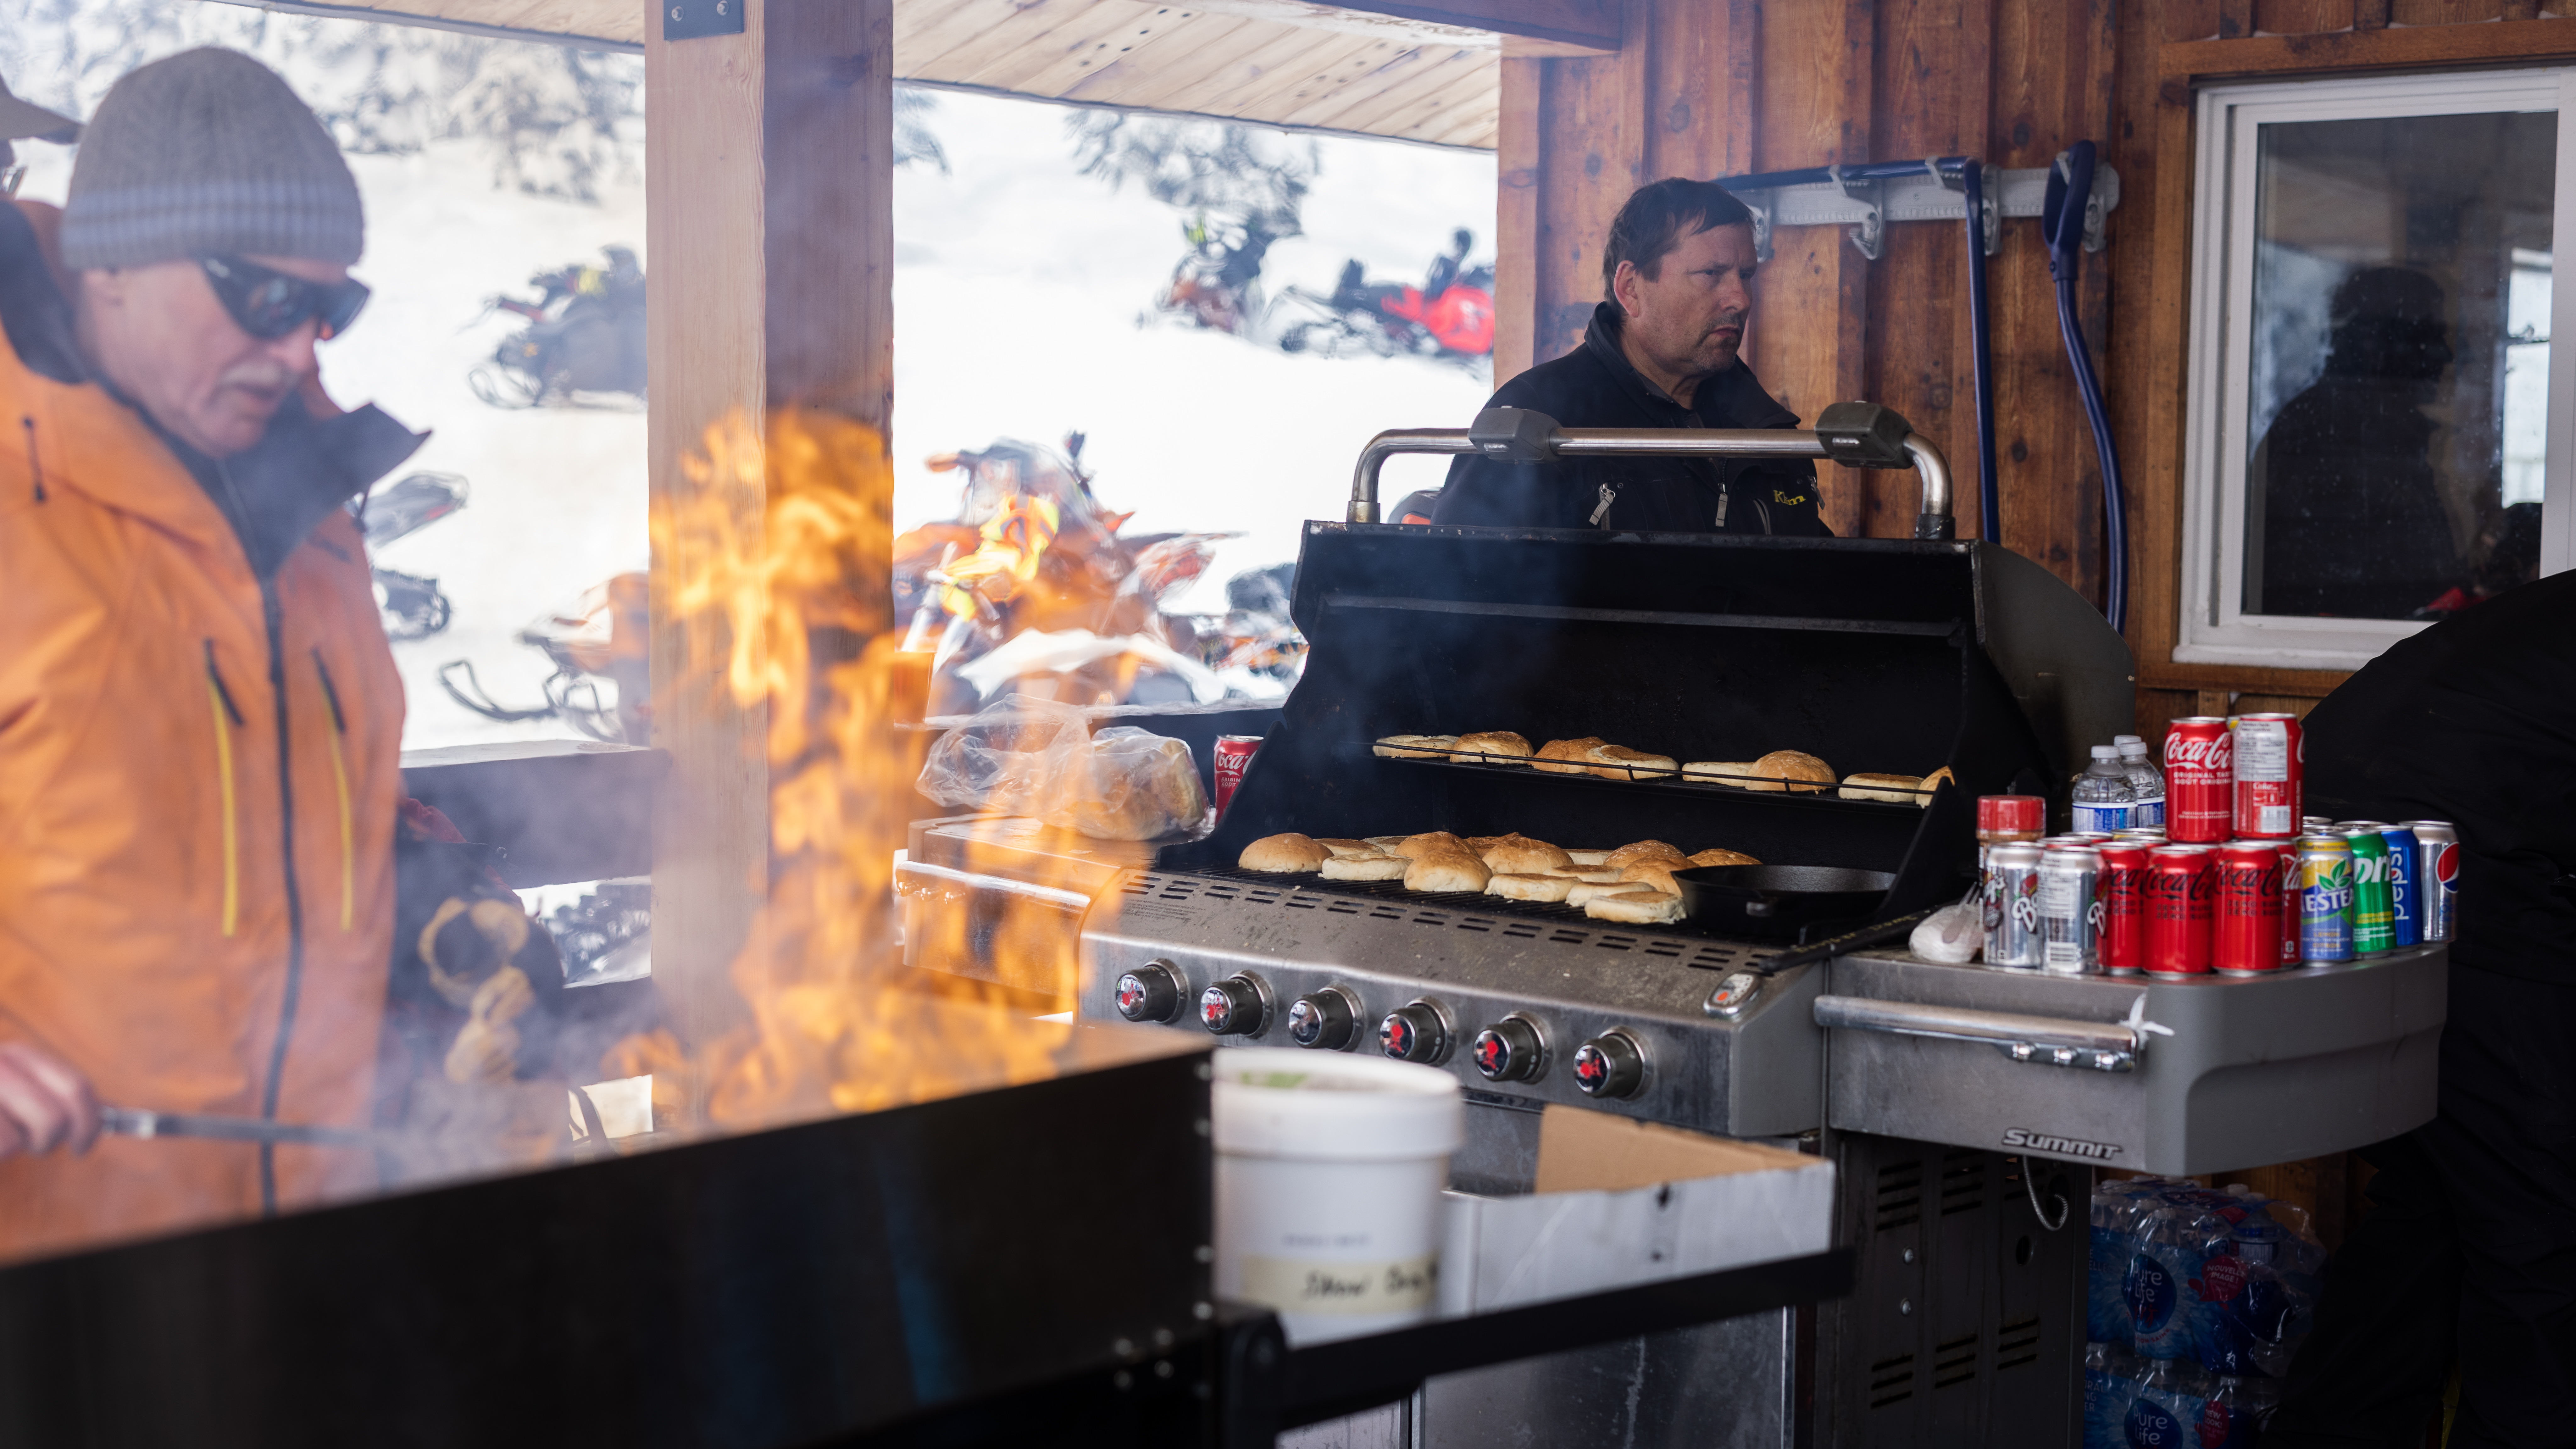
{"x": 1237, "y": 1006}
{"x": 1612, "y": 1064}
{"x": 1415, "y": 1032}
{"x": 1151, "y": 992}
{"x": 1511, "y": 1050}
{"x": 1325, "y": 1019}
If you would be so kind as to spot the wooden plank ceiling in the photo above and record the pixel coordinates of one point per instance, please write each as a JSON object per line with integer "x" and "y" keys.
{"x": 1277, "y": 62}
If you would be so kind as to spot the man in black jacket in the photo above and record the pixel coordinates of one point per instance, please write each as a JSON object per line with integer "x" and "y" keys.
{"x": 2469, "y": 1251}
{"x": 1662, "y": 352}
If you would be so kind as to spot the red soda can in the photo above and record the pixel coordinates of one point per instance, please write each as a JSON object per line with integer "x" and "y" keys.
{"x": 2200, "y": 780}
{"x": 2291, "y": 887}
{"x": 2176, "y": 897}
{"x": 1233, "y": 752}
{"x": 2270, "y": 769}
{"x": 2245, "y": 940}
{"x": 2121, "y": 889}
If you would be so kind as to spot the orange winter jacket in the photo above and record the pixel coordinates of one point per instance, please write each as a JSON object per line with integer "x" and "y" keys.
{"x": 198, "y": 778}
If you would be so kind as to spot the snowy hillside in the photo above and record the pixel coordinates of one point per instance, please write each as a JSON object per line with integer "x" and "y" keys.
{"x": 1019, "y": 285}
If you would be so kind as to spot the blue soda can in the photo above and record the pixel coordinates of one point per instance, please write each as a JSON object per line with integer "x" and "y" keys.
{"x": 2436, "y": 877}
{"x": 2325, "y": 898}
{"x": 2406, "y": 921}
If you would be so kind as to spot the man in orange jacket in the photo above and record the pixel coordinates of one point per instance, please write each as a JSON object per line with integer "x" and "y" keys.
{"x": 199, "y": 717}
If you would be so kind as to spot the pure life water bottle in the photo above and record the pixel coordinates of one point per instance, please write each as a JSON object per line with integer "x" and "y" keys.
{"x": 2102, "y": 794}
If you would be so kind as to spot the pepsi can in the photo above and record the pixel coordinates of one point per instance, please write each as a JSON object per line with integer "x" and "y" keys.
{"x": 2010, "y": 907}
{"x": 2436, "y": 879}
{"x": 2325, "y": 898}
{"x": 2405, "y": 921}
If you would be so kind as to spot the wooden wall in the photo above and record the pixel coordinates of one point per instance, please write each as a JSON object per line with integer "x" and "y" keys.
{"x": 1718, "y": 87}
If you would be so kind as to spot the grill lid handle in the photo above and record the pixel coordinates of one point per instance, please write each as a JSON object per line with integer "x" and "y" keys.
{"x": 1864, "y": 435}
{"x": 1515, "y": 435}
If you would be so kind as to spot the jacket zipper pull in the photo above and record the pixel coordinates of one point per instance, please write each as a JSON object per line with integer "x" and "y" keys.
{"x": 1609, "y": 495}
{"x": 1725, "y": 496}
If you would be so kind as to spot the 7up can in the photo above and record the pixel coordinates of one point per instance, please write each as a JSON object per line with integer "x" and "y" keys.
{"x": 2325, "y": 898}
{"x": 2374, "y": 914}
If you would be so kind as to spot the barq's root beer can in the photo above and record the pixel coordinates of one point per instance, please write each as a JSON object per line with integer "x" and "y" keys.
{"x": 2011, "y": 906}
{"x": 1233, "y": 752}
{"x": 2200, "y": 781}
{"x": 2177, "y": 900}
{"x": 2245, "y": 940}
{"x": 2270, "y": 760}
{"x": 2122, "y": 891}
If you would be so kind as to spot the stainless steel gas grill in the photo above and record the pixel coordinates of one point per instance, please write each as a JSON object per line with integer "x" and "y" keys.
{"x": 1928, "y": 1085}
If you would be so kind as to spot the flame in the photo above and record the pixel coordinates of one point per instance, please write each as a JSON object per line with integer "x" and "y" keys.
{"x": 1014, "y": 540}
{"x": 836, "y": 1021}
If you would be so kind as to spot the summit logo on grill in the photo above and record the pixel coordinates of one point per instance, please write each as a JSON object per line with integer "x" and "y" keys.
{"x": 2029, "y": 1141}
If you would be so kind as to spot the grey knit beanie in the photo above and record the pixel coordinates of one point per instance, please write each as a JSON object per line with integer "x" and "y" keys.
{"x": 208, "y": 152}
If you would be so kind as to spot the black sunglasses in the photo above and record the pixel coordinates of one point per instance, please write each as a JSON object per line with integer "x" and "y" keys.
{"x": 269, "y": 304}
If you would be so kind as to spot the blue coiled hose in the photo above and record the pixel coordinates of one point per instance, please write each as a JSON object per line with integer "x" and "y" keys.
{"x": 2070, "y": 189}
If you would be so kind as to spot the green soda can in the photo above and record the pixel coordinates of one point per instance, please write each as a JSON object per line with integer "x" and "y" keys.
{"x": 2374, "y": 909}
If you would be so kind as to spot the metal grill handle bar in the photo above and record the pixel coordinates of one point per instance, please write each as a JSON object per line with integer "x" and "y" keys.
{"x": 1857, "y": 435}
{"x": 2107, "y": 1046}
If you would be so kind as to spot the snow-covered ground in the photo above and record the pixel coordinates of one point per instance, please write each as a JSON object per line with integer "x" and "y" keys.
{"x": 1018, "y": 289}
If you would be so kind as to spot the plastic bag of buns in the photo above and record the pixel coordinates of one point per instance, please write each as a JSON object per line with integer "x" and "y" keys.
{"x": 1025, "y": 756}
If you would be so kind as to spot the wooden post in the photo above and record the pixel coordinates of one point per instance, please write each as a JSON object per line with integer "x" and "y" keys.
{"x": 769, "y": 182}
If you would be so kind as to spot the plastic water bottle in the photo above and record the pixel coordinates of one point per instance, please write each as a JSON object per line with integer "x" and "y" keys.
{"x": 2102, "y": 796}
{"x": 2146, "y": 782}
{"x": 2110, "y": 1384}
{"x": 2106, "y": 1309}
{"x": 2228, "y": 1419}
{"x": 2167, "y": 1411}
{"x": 2167, "y": 1257}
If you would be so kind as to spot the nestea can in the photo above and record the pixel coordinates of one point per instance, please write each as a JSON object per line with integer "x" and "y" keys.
{"x": 2325, "y": 898}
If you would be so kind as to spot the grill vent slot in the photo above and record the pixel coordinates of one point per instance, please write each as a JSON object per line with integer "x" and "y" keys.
{"x": 1221, "y": 892}
{"x": 1891, "y": 1381}
{"x": 1954, "y": 1361}
{"x": 1302, "y": 902}
{"x": 1663, "y": 948}
{"x": 1344, "y": 908}
{"x": 1262, "y": 897}
{"x": 1520, "y": 931}
{"x": 1385, "y": 912}
{"x": 1615, "y": 943}
{"x": 1563, "y": 937}
{"x": 1474, "y": 923}
{"x": 1137, "y": 885}
{"x": 1431, "y": 918}
{"x": 1900, "y": 1196}
{"x": 1963, "y": 1181}
{"x": 2016, "y": 1344}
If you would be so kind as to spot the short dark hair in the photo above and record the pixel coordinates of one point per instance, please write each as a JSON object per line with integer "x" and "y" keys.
{"x": 1659, "y": 216}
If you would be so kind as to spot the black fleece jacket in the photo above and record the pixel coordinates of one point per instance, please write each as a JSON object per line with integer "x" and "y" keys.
{"x": 1595, "y": 386}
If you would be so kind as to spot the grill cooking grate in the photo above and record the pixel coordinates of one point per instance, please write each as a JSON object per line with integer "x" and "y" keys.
{"x": 1450, "y": 910}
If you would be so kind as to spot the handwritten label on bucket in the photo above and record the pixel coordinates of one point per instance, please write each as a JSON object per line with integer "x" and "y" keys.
{"x": 1298, "y": 1285}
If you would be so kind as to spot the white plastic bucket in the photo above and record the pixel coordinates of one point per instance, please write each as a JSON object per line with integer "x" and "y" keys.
{"x": 1328, "y": 1177}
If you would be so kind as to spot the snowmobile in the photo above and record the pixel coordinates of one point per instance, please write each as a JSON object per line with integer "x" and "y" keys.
{"x": 1451, "y": 315}
{"x": 585, "y": 334}
{"x": 602, "y": 641}
{"x": 414, "y": 606}
{"x": 1218, "y": 282}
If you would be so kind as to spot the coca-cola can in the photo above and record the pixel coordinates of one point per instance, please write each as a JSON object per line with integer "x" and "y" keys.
{"x": 2121, "y": 889}
{"x": 2010, "y": 907}
{"x": 2176, "y": 897}
{"x": 2245, "y": 938}
{"x": 2070, "y": 912}
{"x": 2287, "y": 852}
{"x": 1233, "y": 752}
{"x": 2200, "y": 780}
{"x": 2271, "y": 767}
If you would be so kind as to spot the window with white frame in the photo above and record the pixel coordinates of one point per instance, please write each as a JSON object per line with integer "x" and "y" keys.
{"x": 2375, "y": 437}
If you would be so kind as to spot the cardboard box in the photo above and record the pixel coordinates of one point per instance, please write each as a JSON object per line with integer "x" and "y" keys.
{"x": 1620, "y": 1202}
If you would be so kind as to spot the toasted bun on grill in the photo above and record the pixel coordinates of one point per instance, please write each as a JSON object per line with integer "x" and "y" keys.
{"x": 1738, "y": 773}
{"x": 1722, "y": 857}
{"x": 1430, "y": 842}
{"x": 1618, "y": 762}
{"x": 1416, "y": 747}
{"x": 1629, "y": 854}
{"x": 1595, "y": 874}
{"x": 1348, "y": 847}
{"x": 1514, "y": 887}
{"x": 1569, "y": 755}
{"x": 1520, "y": 855}
{"x": 1366, "y": 867}
{"x": 1641, "y": 907}
{"x": 1387, "y": 843}
{"x": 1936, "y": 779}
{"x": 1587, "y": 891}
{"x": 1447, "y": 871}
{"x": 1589, "y": 857}
{"x": 1654, "y": 874}
{"x": 1490, "y": 747}
{"x": 1791, "y": 770}
{"x": 1288, "y": 854}
{"x": 1894, "y": 789}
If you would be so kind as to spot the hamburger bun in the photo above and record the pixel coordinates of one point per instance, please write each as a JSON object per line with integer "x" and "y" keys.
{"x": 1569, "y": 755}
{"x": 1430, "y": 842}
{"x": 1657, "y": 874}
{"x": 1520, "y": 855}
{"x": 1514, "y": 887}
{"x": 1618, "y": 762}
{"x": 1348, "y": 847}
{"x": 1366, "y": 867}
{"x": 1629, "y": 854}
{"x": 1490, "y": 747}
{"x": 1589, "y": 857}
{"x": 1387, "y": 843}
{"x": 1447, "y": 871}
{"x": 1289, "y": 854}
{"x": 1722, "y": 857}
{"x": 1791, "y": 770}
{"x": 1595, "y": 874}
{"x": 1416, "y": 747}
{"x": 1937, "y": 778}
{"x": 1641, "y": 908}
{"x": 1583, "y": 893}
{"x": 1737, "y": 774}
{"x": 1894, "y": 789}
